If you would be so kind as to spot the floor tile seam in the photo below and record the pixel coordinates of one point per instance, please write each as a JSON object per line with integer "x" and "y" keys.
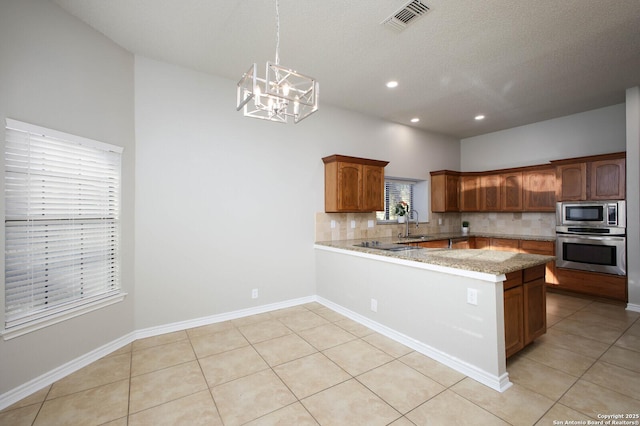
{"x": 576, "y": 383}
{"x": 324, "y": 349}
{"x": 357, "y": 378}
{"x": 604, "y": 321}
{"x": 429, "y": 377}
{"x": 83, "y": 390}
{"x": 584, "y": 337}
{"x": 129, "y": 387}
{"x": 561, "y": 370}
{"x": 203, "y": 356}
{"x": 611, "y": 389}
{"x": 577, "y": 378}
{"x": 162, "y": 368}
{"x": 605, "y": 386}
{"x": 37, "y": 413}
{"x": 167, "y": 402}
{"x": 477, "y": 405}
{"x": 625, "y": 347}
{"x": 209, "y": 389}
{"x": 619, "y": 331}
{"x": 558, "y": 369}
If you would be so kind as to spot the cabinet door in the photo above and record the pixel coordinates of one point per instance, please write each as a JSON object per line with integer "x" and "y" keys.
{"x": 511, "y": 191}
{"x": 470, "y": 193}
{"x": 349, "y": 186}
{"x": 539, "y": 188}
{"x": 490, "y": 191}
{"x": 372, "y": 188}
{"x": 571, "y": 182}
{"x": 513, "y": 320}
{"x": 480, "y": 242}
{"x": 452, "y": 193}
{"x": 459, "y": 245}
{"x": 535, "y": 310}
{"x": 444, "y": 192}
{"x": 504, "y": 244}
{"x": 607, "y": 178}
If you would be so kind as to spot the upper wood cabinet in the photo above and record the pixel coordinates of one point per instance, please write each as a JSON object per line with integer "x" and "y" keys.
{"x": 470, "y": 193}
{"x": 571, "y": 182}
{"x": 531, "y": 188}
{"x": 607, "y": 179}
{"x": 445, "y": 191}
{"x": 600, "y": 177}
{"x": 539, "y": 189}
{"x": 353, "y": 184}
{"x": 491, "y": 193}
{"x": 511, "y": 192}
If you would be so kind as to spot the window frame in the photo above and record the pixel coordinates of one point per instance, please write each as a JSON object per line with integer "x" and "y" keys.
{"x": 76, "y": 305}
{"x": 386, "y": 219}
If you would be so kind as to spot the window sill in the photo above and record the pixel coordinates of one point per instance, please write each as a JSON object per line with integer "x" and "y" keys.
{"x": 37, "y": 324}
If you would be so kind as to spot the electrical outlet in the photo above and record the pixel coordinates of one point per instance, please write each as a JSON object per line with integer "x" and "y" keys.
{"x": 439, "y": 221}
{"x": 254, "y": 293}
{"x": 370, "y": 224}
{"x": 374, "y": 305}
{"x": 472, "y": 296}
{"x": 333, "y": 224}
{"x": 353, "y": 224}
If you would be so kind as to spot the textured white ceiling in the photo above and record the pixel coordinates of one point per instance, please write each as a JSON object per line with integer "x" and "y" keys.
{"x": 515, "y": 61}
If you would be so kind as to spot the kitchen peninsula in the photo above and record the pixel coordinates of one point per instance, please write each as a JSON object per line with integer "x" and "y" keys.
{"x": 451, "y": 305}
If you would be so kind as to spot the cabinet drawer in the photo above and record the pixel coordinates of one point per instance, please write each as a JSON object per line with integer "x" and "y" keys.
{"x": 539, "y": 246}
{"x": 514, "y": 279}
{"x": 534, "y": 273}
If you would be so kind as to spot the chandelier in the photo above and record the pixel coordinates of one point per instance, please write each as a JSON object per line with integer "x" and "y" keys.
{"x": 281, "y": 94}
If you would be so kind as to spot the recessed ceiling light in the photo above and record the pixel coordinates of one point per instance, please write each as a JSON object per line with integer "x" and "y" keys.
{"x": 479, "y": 117}
{"x": 392, "y": 84}
{"x": 415, "y": 120}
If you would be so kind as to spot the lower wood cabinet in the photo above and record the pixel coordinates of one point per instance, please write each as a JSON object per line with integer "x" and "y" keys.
{"x": 505, "y": 244}
{"x": 433, "y": 244}
{"x": 592, "y": 283}
{"x": 525, "y": 309}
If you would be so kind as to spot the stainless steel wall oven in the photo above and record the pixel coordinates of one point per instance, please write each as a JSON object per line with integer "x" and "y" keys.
{"x": 591, "y": 236}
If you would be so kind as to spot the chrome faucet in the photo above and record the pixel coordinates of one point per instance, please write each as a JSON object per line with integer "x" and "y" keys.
{"x": 406, "y": 222}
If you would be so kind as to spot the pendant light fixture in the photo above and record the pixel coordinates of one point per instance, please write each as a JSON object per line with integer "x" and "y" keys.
{"x": 281, "y": 94}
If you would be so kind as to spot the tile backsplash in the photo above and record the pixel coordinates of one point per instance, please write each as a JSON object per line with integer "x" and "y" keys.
{"x": 525, "y": 223}
{"x": 517, "y": 223}
{"x": 343, "y": 229}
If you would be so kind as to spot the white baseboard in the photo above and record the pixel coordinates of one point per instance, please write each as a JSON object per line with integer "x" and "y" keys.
{"x": 212, "y": 319}
{"x": 633, "y": 307}
{"x": 50, "y": 377}
{"x": 499, "y": 383}
{"x": 26, "y": 389}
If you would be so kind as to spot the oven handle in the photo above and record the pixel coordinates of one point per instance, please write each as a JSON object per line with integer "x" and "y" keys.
{"x": 591, "y": 237}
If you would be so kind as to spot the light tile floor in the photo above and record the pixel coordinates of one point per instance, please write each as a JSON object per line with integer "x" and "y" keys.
{"x": 310, "y": 365}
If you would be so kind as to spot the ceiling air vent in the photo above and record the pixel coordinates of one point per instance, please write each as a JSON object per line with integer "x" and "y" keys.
{"x": 407, "y": 14}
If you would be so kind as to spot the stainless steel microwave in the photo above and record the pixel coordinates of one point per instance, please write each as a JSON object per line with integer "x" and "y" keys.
{"x": 594, "y": 214}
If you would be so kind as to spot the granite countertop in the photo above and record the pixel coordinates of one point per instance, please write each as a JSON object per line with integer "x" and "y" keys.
{"x": 446, "y": 236}
{"x": 484, "y": 261}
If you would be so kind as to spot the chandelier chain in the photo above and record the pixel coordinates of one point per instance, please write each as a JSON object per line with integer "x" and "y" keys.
{"x": 277, "y": 34}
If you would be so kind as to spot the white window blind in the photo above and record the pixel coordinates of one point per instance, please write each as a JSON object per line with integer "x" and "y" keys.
{"x": 395, "y": 191}
{"x": 62, "y": 204}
